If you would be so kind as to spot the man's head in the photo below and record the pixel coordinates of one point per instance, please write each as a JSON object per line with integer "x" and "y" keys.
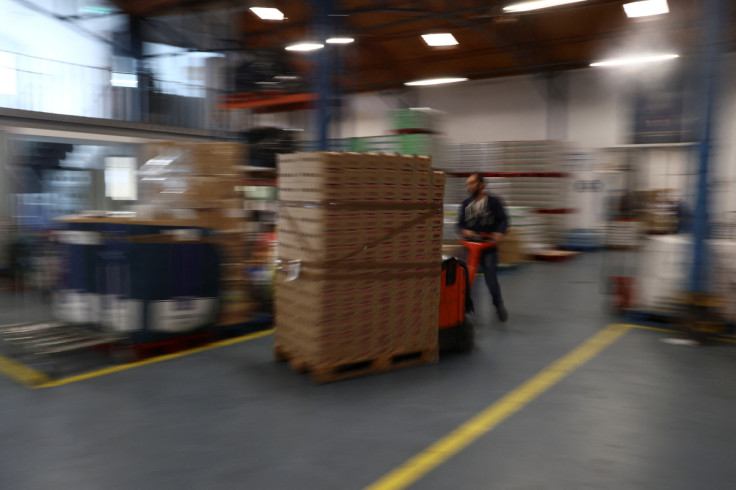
{"x": 475, "y": 184}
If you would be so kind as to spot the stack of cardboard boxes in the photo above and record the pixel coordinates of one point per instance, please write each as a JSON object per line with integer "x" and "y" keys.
{"x": 360, "y": 238}
{"x": 511, "y": 249}
{"x": 193, "y": 184}
{"x": 658, "y": 211}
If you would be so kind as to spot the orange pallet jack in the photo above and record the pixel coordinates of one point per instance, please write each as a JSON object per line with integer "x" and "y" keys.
{"x": 457, "y": 332}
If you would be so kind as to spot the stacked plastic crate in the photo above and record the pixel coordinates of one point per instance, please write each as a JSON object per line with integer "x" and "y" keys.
{"x": 358, "y": 286}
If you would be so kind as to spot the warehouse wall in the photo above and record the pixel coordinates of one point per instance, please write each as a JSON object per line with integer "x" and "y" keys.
{"x": 502, "y": 109}
{"x": 367, "y": 114}
{"x": 599, "y": 115}
{"x": 511, "y": 108}
{"x": 599, "y": 111}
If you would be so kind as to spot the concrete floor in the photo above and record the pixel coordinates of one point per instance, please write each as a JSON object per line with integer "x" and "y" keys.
{"x": 641, "y": 414}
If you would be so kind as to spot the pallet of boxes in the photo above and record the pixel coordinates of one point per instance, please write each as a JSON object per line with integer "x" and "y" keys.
{"x": 358, "y": 282}
{"x": 194, "y": 184}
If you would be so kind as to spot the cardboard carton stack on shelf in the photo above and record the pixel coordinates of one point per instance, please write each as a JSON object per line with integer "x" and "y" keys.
{"x": 360, "y": 239}
{"x": 526, "y": 233}
{"x": 529, "y": 175}
{"x": 724, "y": 276}
{"x": 194, "y": 184}
{"x": 538, "y": 189}
{"x": 658, "y": 211}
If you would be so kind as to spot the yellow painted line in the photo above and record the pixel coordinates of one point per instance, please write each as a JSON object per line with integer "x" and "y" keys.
{"x": 457, "y": 440}
{"x": 153, "y": 360}
{"x": 21, "y": 373}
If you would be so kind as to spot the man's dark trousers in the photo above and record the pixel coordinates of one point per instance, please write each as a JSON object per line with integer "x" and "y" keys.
{"x": 489, "y": 261}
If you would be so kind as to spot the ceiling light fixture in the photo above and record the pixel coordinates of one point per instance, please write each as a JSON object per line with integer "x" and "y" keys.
{"x": 537, "y": 4}
{"x": 440, "y": 39}
{"x": 340, "y": 40}
{"x": 305, "y": 47}
{"x": 435, "y": 81}
{"x": 637, "y": 60}
{"x": 646, "y": 8}
{"x": 268, "y": 13}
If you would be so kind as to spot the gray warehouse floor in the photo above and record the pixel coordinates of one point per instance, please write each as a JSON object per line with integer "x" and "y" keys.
{"x": 640, "y": 413}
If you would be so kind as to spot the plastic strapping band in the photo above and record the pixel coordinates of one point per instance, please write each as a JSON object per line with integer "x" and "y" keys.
{"x": 431, "y": 210}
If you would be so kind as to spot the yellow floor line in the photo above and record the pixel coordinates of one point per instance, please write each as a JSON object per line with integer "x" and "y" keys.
{"x": 457, "y": 440}
{"x": 21, "y": 373}
{"x": 153, "y": 360}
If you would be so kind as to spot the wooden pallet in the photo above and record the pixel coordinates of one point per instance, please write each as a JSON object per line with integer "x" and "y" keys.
{"x": 556, "y": 255}
{"x": 329, "y": 373}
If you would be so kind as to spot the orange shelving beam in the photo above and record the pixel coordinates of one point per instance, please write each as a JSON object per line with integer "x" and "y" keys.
{"x": 256, "y": 100}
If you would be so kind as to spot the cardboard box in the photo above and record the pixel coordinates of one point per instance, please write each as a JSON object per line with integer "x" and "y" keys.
{"x": 335, "y": 314}
{"x": 196, "y": 159}
{"x": 186, "y": 192}
{"x": 511, "y": 249}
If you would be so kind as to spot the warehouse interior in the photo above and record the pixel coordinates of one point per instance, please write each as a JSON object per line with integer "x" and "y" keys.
{"x": 254, "y": 244}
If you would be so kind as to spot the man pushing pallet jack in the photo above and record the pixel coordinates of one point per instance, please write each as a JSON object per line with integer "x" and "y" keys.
{"x": 483, "y": 224}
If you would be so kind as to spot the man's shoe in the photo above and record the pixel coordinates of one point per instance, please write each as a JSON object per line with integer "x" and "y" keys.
{"x": 501, "y": 312}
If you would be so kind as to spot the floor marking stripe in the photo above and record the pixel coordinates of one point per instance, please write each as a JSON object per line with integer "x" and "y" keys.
{"x": 153, "y": 360}
{"x": 457, "y": 440}
{"x": 21, "y": 373}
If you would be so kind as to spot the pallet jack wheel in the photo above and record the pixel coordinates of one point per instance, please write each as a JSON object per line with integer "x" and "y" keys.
{"x": 460, "y": 338}
{"x": 465, "y": 336}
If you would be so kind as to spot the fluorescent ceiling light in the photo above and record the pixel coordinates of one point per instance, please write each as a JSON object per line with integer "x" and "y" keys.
{"x": 267, "y": 13}
{"x": 305, "y": 47}
{"x": 638, "y": 60}
{"x": 340, "y": 40}
{"x": 442, "y": 39}
{"x": 646, "y": 8}
{"x": 435, "y": 81}
{"x": 537, "y": 4}
{"x": 124, "y": 80}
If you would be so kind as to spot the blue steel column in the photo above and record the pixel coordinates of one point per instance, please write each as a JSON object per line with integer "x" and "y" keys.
{"x": 322, "y": 9}
{"x": 711, "y": 47}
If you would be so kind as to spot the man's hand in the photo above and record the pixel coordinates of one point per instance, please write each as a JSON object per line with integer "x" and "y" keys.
{"x": 469, "y": 234}
{"x": 497, "y": 237}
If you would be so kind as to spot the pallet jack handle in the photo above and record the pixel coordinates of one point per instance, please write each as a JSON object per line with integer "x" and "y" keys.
{"x": 475, "y": 249}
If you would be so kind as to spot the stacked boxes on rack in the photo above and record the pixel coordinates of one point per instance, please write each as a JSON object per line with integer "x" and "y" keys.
{"x": 662, "y": 271}
{"x": 529, "y": 227}
{"x": 541, "y": 187}
{"x": 724, "y": 276}
{"x": 529, "y": 176}
{"x": 622, "y": 233}
{"x": 360, "y": 239}
{"x": 193, "y": 184}
{"x": 658, "y": 211}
